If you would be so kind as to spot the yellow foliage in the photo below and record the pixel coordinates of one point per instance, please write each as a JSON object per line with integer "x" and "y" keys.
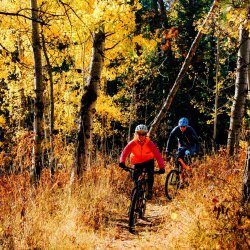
{"x": 116, "y": 18}
{"x": 2, "y": 122}
{"x": 106, "y": 107}
{"x": 107, "y": 112}
{"x": 145, "y": 43}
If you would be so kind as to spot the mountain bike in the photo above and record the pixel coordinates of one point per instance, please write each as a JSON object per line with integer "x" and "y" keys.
{"x": 138, "y": 197}
{"x": 177, "y": 178}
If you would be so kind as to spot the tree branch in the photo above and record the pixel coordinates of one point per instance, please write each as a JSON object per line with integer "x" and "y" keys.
{"x": 21, "y": 15}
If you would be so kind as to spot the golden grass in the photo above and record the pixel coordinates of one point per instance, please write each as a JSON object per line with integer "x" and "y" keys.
{"x": 93, "y": 215}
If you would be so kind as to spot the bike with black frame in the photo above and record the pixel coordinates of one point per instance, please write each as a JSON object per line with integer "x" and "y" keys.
{"x": 138, "y": 196}
{"x": 178, "y": 176}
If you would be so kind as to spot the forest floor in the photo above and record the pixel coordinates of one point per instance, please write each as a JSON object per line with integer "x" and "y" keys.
{"x": 93, "y": 215}
{"x": 205, "y": 215}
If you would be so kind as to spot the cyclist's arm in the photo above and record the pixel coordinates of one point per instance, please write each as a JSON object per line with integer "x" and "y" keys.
{"x": 169, "y": 146}
{"x": 194, "y": 135}
{"x": 126, "y": 151}
{"x": 195, "y": 140}
{"x": 157, "y": 155}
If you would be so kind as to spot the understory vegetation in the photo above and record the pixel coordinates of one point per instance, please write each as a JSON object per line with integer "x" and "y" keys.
{"x": 93, "y": 214}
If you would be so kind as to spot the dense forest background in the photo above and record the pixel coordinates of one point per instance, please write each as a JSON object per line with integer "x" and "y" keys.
{"x": 146, "y": 43}
{"x": 77, "y": 76}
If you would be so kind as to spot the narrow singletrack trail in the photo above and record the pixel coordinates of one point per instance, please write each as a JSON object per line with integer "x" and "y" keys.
{"x": 155, "y": 231}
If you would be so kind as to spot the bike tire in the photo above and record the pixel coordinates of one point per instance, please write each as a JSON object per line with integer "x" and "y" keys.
{"x": 133, "y": 213}
{"x": 172, "y": 184}
{"x": 141, "y": 204}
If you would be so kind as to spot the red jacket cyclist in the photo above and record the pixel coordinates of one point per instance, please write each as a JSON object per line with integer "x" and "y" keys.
{"x": 142, "y": 153}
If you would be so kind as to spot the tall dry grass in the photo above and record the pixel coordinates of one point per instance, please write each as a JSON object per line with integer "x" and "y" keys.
{"x": 93, "y": 214}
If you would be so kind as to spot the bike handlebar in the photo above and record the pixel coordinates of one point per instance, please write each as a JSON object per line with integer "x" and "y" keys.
{"x": 129, "y": 169}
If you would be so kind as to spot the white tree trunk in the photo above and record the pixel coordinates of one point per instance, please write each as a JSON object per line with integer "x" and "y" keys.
{"x": 88, "y": 103}
{"x": 241, "y": 82}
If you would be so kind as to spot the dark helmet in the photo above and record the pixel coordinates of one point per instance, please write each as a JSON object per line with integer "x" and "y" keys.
{"x": 183, "y": 122}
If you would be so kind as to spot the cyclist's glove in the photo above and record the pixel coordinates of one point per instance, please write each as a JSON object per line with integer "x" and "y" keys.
{"x": 122, "y": 165}
{"x": 161, "y": 171}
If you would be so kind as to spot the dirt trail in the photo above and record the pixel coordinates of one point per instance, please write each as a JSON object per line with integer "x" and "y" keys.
{"x": 157, "y": 222}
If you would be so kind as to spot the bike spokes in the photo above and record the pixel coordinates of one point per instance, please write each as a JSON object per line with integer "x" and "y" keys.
{"x": 172, "y": 184}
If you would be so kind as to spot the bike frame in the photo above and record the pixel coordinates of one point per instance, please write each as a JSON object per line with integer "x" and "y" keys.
{"x": 184, "y": 167}
{"x": 141, "y": 182}
{"x": 138, "y": 204}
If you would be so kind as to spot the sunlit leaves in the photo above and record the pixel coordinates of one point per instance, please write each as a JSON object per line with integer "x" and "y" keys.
{"x": 2, "y": 122}
{"x": 68, "y": 43}
{"x": 107, "y": 113}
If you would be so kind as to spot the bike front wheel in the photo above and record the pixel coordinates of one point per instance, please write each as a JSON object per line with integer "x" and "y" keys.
{"x": 172, "y": 184}
{"x": 133, "y": 211}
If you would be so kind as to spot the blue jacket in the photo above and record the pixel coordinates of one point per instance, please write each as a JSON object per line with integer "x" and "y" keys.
{"x": 186, "y": 139}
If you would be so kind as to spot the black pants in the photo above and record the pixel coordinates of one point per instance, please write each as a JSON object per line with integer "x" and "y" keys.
{"x": 149, "y": 166}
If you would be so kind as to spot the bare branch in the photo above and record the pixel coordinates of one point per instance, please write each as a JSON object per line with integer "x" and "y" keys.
{"x": 21, "y": 15}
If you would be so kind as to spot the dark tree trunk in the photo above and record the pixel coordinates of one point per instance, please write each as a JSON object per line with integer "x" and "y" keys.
{"x": 38, "y": 106}
{"x": 51, "y": 110}
{"x": 163, "y": 15}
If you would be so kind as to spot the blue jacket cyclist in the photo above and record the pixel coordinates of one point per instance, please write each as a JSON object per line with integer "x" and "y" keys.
{"x": 188, "y": 142}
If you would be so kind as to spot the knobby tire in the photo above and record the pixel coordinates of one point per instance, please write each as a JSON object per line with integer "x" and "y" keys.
{"x": 141, "y": 204}
{"x": 133, "y": 214}
{"x": 172, "y": 184}
{"x": 137, "y": 208}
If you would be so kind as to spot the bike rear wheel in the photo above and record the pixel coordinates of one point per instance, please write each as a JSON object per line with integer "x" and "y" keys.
{"x": 172, "y": 184}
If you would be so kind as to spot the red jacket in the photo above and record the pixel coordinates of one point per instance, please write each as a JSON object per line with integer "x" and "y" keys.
{"x": 142, "y": 151}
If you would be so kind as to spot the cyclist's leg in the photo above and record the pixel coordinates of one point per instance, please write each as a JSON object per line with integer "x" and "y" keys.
{"x": 181, "y": 153}
{"x": 194, "y": 150}
{"x": 150, "y": 165}
{"x": 137, "y": 172}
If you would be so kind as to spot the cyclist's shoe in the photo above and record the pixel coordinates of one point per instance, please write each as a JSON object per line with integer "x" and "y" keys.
{"x": 132, "y": 230}
{"x": 149, "y": 195}
{"x": 161, "y": 171}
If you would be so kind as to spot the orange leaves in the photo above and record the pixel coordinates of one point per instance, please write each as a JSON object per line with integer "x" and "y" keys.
{"x": 246, "y": 225}
{"x": 171, "y": 33}
{"x": 167, "y": 36}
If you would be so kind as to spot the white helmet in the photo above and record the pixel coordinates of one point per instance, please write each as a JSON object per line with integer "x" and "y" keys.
{"x": 141, "y": 127}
